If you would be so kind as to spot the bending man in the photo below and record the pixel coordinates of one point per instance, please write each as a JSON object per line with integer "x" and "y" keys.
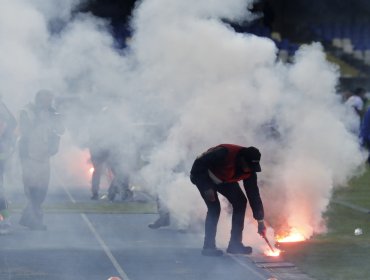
{"x": 218, "y": 170}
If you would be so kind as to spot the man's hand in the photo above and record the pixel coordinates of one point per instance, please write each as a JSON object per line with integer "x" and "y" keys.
{"x": 210, "y": 195}
{"x": 261, "y": 228}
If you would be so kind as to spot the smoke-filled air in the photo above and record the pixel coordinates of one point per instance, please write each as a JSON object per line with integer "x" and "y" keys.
{"x": 186, "y": 82}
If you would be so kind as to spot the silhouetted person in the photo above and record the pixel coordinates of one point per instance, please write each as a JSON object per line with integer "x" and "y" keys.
{"x": 365, "y": 132}
{"x": 105, "y": 146}
{"x": 40, "y": 128}
{"x": 356, "y": 102}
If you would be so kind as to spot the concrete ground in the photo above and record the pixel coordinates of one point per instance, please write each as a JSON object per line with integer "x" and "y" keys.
{"x": 95, "y": 246}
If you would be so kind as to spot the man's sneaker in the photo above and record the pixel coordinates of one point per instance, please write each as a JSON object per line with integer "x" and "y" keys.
{"x": 95, "y": 196}
{"x": 239, "y": 248}
{"x": 162, "y": 221}
{"x": 212, "y": 252}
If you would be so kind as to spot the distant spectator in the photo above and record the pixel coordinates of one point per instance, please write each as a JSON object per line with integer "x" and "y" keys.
{"x": 356, "y": 102}
{"x": 365, "y": 132}
{"x": 107, "y": 148}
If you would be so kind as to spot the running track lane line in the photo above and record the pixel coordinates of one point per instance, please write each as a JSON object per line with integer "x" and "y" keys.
{"x": 106, "y": 250}
{"x": 116, "y": 265}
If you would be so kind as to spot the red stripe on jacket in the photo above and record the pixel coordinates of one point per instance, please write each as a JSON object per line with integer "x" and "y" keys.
{"x": 226, "y": 171}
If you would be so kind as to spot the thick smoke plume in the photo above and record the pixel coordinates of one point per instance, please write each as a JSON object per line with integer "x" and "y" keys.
{"x": 225, "y": 87}
{"x": 186, "y": 82}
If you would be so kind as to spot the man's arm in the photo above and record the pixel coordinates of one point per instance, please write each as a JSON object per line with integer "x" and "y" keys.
{"x": 253, "y": 194}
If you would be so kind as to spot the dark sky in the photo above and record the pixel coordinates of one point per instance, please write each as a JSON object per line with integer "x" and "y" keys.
{"x": 284, "y": 13}
{"x": 114, "y": 9}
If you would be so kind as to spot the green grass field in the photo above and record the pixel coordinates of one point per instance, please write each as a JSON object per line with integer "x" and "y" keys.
{"x": 340, "y": 254}
{"x": 102, "y": 207}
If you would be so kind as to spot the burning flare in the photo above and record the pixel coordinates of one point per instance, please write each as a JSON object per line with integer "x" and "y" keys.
{"x": 289, "y": 236}
{"x": 294, "y": 235}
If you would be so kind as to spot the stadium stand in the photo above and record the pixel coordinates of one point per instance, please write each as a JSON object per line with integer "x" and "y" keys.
{"x": 342, "y": 26}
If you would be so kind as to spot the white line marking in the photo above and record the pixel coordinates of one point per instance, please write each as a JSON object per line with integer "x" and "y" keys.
{"x": 106, "y": 250}
{"x": 116, "y": 265}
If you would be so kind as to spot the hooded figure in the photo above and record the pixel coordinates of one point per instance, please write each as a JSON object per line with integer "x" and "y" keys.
{"x": 40, "y": 128}
{"x": 218, "y": 170}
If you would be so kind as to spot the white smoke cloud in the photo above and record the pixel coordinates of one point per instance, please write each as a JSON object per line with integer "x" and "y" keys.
{"x": 223, "y": 87}
{"x": 53, "y": 9}
{"x": 186, "y": 83}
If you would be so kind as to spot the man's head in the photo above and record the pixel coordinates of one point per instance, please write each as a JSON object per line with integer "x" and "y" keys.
{"x": 44, "y": 99}
{"x": 252, "y": 156}
{"x": 359, "y": 91}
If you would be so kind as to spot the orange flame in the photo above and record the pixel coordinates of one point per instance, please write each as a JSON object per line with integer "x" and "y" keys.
{"x": 293, "y": 236}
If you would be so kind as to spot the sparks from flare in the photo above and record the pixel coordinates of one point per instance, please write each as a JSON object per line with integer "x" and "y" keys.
{"x": 91, "y": 170}
{"x": 271, "y": 253}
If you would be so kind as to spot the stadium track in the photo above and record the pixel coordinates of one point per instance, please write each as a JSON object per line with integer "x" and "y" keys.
{"x": 95, "y": 246}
